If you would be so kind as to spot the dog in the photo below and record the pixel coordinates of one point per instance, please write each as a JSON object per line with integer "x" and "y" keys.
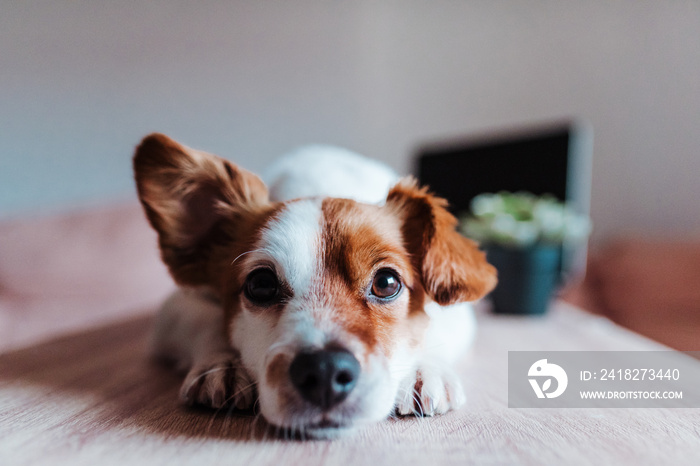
{"x": 328, "y": 312}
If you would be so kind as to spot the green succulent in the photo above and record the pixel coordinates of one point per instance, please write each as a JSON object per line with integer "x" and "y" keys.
{"x": 523, "y": 219}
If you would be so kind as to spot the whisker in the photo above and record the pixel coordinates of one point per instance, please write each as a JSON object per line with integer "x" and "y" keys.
{"x": 243, "y": 254}
{"x": 235, "y": 394}
{"x": 203, "y": 374}
{"x": 416, "y": 402}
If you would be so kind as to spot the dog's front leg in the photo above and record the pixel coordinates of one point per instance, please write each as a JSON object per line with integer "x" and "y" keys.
{"x": 190, "y": 332}
{"x": 434, "y": 387}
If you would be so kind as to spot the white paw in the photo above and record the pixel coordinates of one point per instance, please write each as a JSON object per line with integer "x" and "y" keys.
{"x": 217, "y": 382}
{"x": 429, "y": 392}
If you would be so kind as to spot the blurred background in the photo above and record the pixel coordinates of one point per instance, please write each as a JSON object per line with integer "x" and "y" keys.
{"x": 81, "y": 82}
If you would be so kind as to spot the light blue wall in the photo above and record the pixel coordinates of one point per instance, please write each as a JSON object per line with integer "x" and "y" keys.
{"x": 81, "y": 82}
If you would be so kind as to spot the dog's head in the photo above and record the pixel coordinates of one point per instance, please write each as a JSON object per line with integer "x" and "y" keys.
{"x": 323, "y": 297}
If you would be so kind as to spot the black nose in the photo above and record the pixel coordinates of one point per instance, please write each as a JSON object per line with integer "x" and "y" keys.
{"x": 324, "y": 378}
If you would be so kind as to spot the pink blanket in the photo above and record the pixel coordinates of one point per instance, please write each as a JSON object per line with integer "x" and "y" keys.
{"x": 74, "y": 271}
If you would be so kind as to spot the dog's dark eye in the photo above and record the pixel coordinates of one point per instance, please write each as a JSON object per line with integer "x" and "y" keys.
{"x": 386, "y": 284}
{"x": 262, "y": 287}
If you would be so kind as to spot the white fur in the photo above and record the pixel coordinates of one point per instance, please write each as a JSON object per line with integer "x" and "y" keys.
{"x": 450, "y": 332}
{"x": 292, "y": 242}
{"x": 188, "y": 333}
{"x": 449, "y": 335}
{"x": 329, "y": 171}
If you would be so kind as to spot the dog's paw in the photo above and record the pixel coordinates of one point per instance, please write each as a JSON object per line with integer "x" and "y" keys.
{"x": 429, "y": 392}
{"x": 219, "y": 381}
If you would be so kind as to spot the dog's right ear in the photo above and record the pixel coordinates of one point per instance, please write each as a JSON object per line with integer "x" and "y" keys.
{"x": 451, "y": 267}
{"x": 187, "y": 195}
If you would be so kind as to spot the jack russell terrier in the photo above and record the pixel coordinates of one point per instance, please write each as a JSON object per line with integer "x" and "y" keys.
{"x": 335, "y": 302}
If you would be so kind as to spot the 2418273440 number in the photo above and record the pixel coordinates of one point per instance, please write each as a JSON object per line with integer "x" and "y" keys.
{"x": 639, "y": 374}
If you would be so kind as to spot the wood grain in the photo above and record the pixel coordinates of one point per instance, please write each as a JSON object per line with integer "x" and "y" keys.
{"x": 95, "y": 398}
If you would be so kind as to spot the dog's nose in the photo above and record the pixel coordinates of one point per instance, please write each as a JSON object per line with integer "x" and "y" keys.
{"x": 324, "y": 378}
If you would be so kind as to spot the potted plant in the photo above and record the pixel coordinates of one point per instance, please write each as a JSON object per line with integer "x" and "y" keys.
{"x": 523, "y": 235}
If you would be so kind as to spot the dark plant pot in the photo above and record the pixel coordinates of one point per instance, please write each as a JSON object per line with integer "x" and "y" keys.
{"x": 526, "y": 278}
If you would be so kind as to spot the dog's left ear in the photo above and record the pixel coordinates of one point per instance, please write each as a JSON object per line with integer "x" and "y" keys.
{"x": 194, "y": 200}
{"x": 451, "y": 267}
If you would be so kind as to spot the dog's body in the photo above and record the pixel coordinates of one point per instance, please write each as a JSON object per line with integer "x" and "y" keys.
{"x": 335, "y": 311}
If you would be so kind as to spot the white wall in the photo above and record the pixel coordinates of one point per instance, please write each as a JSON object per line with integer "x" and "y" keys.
{"x": 81, "y": 82}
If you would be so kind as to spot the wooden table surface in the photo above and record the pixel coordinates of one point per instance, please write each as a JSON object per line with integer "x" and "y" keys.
{"x": 94, "y": 398}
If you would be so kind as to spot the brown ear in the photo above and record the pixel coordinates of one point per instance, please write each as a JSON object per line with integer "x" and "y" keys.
{"x": 187, "y": 194}
{"x": 452, "y": 267}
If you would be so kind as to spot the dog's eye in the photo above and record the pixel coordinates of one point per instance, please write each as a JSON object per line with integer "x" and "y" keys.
{"x": 262, "y": 287}
{"x": 386, "y": 284}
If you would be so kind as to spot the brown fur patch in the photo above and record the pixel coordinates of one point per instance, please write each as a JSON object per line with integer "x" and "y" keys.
{"x": 358, "y": 241}
{"x": 226, "y": 266}
{"x": 277, "y": 372}
{"x": 452, "y": 267}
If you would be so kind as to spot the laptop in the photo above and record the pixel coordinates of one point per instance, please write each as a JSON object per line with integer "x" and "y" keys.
{"x": 553, "y": 158}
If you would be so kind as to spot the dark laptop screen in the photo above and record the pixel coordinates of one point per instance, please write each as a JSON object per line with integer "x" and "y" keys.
{"x": 536, "y": 162}
{"x": 554, "y": 159}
